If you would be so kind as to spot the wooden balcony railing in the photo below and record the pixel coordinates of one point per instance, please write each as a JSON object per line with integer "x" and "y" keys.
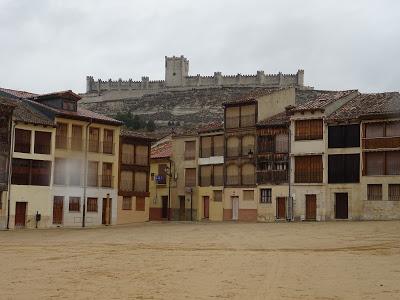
{"x": 381, "y": 143}
{"x": 272, "y": 176}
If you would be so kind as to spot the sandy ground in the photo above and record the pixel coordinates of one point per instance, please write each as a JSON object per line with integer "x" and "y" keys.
{"x": 334, "y": 260}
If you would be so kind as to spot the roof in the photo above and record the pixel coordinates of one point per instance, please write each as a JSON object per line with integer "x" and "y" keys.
{"x": 317, "y": 99}
{"x": 366, "y": 106}
{"x": 163, "y": 150}
{"x": 16, "y": 94}
{"x": 7, "y": 102}
{"x": 135, "y": 134}
{"x": 212, "y": 127}
{"x": 282, "y": 118}
{"x": 250, "y": 97}
{"x": 26, "y": 113}
{"x": 67, "y": 94}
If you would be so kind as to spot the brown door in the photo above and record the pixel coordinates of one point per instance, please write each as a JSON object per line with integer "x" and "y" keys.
{"x": 164, "y": 209}
{"x": 341, "y": 206}
{"x": 311, "y": 207}
{"x": 182, "y": 208}
{"x": 20, "y": 214}
{"x": 58, "y": 211}
{"x": 106, "y": 213}
{"x": 206, "y": 206}
{"x": 280, "y": 207}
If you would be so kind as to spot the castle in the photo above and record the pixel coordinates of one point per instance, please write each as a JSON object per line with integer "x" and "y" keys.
{"x": 177, "y": 77}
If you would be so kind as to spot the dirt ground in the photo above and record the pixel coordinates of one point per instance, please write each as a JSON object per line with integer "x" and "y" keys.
{"x": 332, "y": 260}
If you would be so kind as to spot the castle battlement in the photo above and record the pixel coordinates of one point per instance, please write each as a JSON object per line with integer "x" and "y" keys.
{"x": 177, "y": 76}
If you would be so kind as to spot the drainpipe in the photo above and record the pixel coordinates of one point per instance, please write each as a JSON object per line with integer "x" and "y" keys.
{"x": 12, "y": 126}
{"x": 169, "y": 190}
{"x": 85, "y": 173}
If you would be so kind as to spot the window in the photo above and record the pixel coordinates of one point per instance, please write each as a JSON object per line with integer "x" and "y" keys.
{"x": 92, "y": 204}
{"x": 142, "y": 155}
{"x": 206, "y": 142}
{"x": 232, "y": 144}
{"x": 248, "y": 174}
{"x": 248, "y": 195}
{"x": 190, "y": 150}
{"x": 76, "y": 140}
{"x": 247, "y": 115}
{"x": 218, "y": 175}
{"x": 69, "y": 105}
{"x": 22, "y": 141}
{"x": 382, "y": 163}
{"x": 74, "y": 171}
{"x": 344, "y": 136}
{"x": 128, "y": 154}
{"x": 266, "y": 144}
{"x": 74, "y": 204}
{"x": 218, "y": 145}
{"x": 205, "y": 175}
{"x": 190, "y": 177}
{"x": 107, "y": 178}
{"x": 282, "y": 143}
{"x": 265, "y": 196}
{"x": 30, "y": 172}
{"x": 232, "y": 174}
{"x": 93, "y": 167}
{"x": 393, "y": 129}
{"x": 61, "y": 136}
{"x": 42, "y": 142}
{"x": 140, "y": 204}
{"x": 308, "y": 169}
{"x": 344, "y": 168}
{"x": 218, "y": 196}
{"x": 127, "y": 203}
{"x": 126, "y": 182}
{"x": 162, "y": 174}
{"x": 308, "y": 129}
{"x": 248, "y": 145}
{"x": 94, "y": 136}
{"x": 108, "y": 141}
{"x": 60, "y": 171}
{"x": 394, "y": 192}
{"x": 374, "y": 192}
{"x": 140, "y": 181}
{"x": 374, "y": 130}
{"x": 232, "y": 117}
{"x": 40, "y": 172}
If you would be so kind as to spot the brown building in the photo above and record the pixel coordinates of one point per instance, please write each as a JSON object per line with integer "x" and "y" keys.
{"x": 134, "y": 174}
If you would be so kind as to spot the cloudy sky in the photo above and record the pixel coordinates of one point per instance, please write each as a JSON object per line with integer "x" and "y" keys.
{"x": 52, "y": 45}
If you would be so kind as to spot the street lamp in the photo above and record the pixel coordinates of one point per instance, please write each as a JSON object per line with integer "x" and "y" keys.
{"x": 250, "y": 154}
{"x": 168, "y": 171}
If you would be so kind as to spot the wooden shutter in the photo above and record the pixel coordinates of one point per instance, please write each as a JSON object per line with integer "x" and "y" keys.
{"x": 142, "y": 155}
{"x": 373, "y": 130}
{"x": 218, "y": 175}
{"x": 140, "y": 182}
{"x": 128, "y": 154}
{"x": 206, "y": 146}
{"x": 42, "y": 142}
{"x": 76, "y": 141}
{"x": 248, "y": 143}
{"x": 126, "y": 182}
{"x": 394, "y": 192}
{"x": 190, "y": 177}
{"x": 375, "y": 163}
{"x": 190, "y": 150}
{"x": 374, "y": 192}
{"x": 393, "y": 163}
{"x": 205, "y": 175}
{"x": 282, "y": 143}
{"x": 393, "y": 129}
{"x": 22, "y": 141}
{"x": 218, "y": 141}
{"x": 248, "y": 174}
{"x": 232, "y": 144}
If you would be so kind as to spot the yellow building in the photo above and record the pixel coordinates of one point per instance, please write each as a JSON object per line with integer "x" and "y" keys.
{"x": 211, "y": 172}
{"x": 162, "y": 180}
{"x": 134, "y": 172}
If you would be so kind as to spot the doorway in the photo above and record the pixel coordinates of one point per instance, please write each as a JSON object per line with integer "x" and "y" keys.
{"x": 20, "y": 214}
{"x": 281, "y": 208}
{"x": 58, "y": 210}
{"x": 206, "y": 207}
{"x": 235, "y": 208}
{"x": 341, "y": 206}
{"x": 106, "y": 213}
{"x": 182, "y": 215}
{"x": 311, "y": 207}
{"x": 164, "y": 208}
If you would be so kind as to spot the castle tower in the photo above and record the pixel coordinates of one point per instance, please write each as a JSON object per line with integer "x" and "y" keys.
{"x": 176, "y": 70}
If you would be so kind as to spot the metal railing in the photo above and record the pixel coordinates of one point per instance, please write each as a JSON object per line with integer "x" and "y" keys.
{"x": 272, "y": 176}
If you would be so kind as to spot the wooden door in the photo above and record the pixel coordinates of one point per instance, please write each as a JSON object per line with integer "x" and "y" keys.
{"x": 58, "y": 210}
{"x": 235, "y": 208}
{"x": 281, "y": 208}
{"x": 20, "y": 214}
{"x": 206, "y": 206}
{"x": 311, "y": 207}
{"x": 106, "y": 213}
{"x": 341, "y": 206}
{"x": 182, "y": 208}
{"x": 164, "y": 209}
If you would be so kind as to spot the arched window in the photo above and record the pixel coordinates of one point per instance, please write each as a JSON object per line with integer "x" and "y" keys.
{"x": 248, "y": 174}
{"x": 232, "y": 174}
{"x": 248, "y": 143}
{"x": 232, "y": 146}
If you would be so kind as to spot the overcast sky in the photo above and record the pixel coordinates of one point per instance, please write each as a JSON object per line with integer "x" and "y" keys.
{"x": 52, "y": 45}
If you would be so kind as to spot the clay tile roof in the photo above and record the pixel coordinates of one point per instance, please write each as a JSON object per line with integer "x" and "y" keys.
{"x": 135, "y": 134}
{"x": 212, "y": 127}
{"x": 62, "y": 94}
{"x": 17, "y": 94}
{"x": 163, "y": 150}
{"x": 317, "y": 100}
{"x": 368, "y": 106}
{"x": 26, "y": 113}
{"x": 276, "y": 120}
{"x": 250, "y": 97}
{"x": 7, "y": 102}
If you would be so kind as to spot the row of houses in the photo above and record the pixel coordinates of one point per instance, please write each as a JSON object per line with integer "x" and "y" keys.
{"x": 284, "y": 154}
{"x": 60, "y": 165}
{"x": 280, "y": 154}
